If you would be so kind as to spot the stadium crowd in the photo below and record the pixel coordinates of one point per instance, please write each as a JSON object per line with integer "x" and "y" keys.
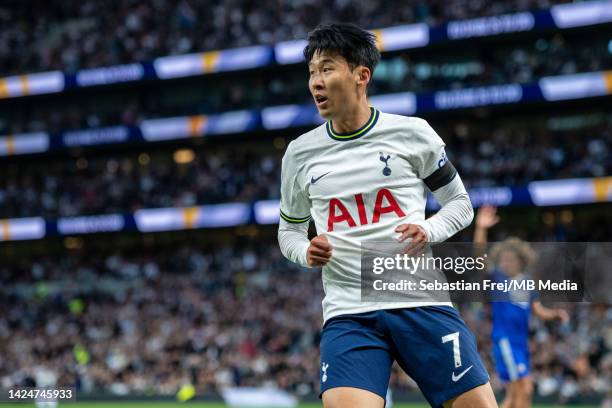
{"x": 68, "y": 35}
{"x": 216, "y": 316}
{"x": 503, "y": 155}
{"x": 493, "y": 64}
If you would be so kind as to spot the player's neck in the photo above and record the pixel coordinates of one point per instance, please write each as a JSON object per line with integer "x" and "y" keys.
{"x": 352, "y": 120}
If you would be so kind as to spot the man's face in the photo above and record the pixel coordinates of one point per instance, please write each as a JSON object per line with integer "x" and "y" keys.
{"x": 332, "y": 83}
{"x": 510, "y": 263}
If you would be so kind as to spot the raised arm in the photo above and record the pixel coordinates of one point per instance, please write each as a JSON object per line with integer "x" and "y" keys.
{"x": 486, "y": 218}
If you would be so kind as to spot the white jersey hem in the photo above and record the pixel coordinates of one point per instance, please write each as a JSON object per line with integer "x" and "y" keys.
{"x": 384, "y": 306}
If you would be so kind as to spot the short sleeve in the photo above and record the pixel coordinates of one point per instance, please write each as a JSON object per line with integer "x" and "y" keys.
{"x": 429, "y": 157}
{"x": 295, "y": 203}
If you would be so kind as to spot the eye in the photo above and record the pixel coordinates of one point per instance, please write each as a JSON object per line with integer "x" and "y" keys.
{"x": 326, "y": 69}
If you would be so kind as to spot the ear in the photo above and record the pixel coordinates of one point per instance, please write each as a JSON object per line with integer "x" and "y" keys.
{"x": 363, "y": 74}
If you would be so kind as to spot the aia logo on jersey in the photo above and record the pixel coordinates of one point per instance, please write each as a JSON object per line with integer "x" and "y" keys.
{"x": 384, "y": 203}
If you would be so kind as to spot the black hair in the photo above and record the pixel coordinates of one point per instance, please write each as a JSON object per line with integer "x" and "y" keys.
{"x": 355, "y": 45}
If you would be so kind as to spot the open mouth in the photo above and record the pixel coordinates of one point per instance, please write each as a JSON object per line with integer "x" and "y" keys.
{"x": 320, "y": 99}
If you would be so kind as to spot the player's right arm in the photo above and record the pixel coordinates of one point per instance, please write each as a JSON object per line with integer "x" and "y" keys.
{"x": 294, "y": 219}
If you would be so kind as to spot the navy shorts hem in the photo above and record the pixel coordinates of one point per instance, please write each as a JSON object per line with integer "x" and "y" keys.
{"x": 438, "y": 402}
{"x": 361, "y": 387}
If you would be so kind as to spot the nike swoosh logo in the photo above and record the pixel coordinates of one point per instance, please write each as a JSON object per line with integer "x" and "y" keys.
{"x": 314, "y": 180}
{"x": 456, "y": 378}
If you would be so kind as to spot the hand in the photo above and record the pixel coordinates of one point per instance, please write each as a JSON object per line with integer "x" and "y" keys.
{"x": 562, "y": 315}
{"x": 319, "y": 252}
{"x": 486, "y": 217}
{"x": 418, "y": 238}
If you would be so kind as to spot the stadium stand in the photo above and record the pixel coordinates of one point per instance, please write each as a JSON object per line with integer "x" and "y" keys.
{"x": 69, "y": 35}
{"x": 495, "y": 154}
{"x": 419, "y": 71}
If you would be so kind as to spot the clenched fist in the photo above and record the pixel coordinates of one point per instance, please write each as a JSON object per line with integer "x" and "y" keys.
{"x": 319, "y": 252}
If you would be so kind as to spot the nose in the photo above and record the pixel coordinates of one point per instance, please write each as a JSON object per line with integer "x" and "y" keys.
{"x": 316, "y": 82}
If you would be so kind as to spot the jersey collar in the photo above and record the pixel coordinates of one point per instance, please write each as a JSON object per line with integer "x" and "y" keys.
{"x": 356, "y": 134}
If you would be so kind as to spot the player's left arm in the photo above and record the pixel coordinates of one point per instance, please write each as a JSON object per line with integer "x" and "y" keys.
{"x": 546, "y": 313}
{"x": 442, "y": 179}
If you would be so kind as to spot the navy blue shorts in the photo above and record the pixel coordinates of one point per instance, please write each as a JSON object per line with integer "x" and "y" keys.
{"x": 431, "y": 344}
{"x": 511, "y": 359}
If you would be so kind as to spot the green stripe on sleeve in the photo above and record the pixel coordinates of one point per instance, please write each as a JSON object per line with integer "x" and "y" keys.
{"x": 294, "y": 220}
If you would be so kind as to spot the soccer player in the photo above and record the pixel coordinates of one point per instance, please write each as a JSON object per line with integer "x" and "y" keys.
{"x": 364, "y": 175}
{"x": 511, "y": 317}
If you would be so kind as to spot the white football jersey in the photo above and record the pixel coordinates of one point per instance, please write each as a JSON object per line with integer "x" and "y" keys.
{"x": 359, "y": 187}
